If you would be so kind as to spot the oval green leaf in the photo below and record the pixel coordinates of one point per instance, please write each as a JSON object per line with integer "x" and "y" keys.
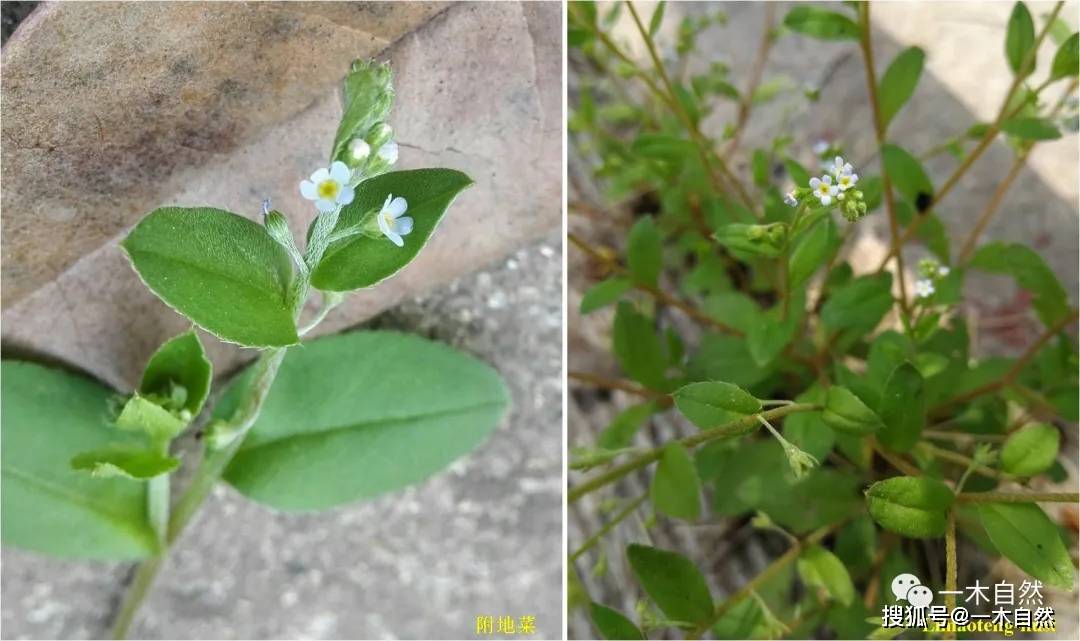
{"x": 141, "y": 415}
{"x": 643, "y": 252}
{"x": 1067, "y": 59}
{"x": 360, "y": 261}
{"x": 1019, "y": 39}
{"x": 712, "y": 403}
{"x": 125, "y": 462}
{"x": 179, "y": 363}
{"x": 1032, "y": 273}
{"x": 899, "y": 82}
{"x": 637, "y": 347}
{"x": 356, "y": 415}
{"x": 859, "y": 304}
{"x": 612, "y": 624}
{"x": 907, "y": 174}
{"x": 675, "y": 489}
{"x": 1031, "y": 451}
{"x": 903, "y": 408}
{"x": 50, "y": 416}
{"x": 811, "y": 251}
{"x": 673, "y": 582}
{"x": 604, "y": 293}
{"x": 844, "y": 412}
{"x": 821, "y": 24}
{"x": 911, "y": 506}
{"x": 1026, "y": 536}
{"x": 222, "y": 271}
{"x": 1031, "y": 129}
{"x": 819, "y": 567}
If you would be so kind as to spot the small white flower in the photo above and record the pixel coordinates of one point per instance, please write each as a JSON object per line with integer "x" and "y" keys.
{"x": 388, "y": 152}
{"x": 924, "y": 288}
{"x": 824, "y": 189}
{"x": 329, "y": 188}
{"x": 392, "y": 223}
{"x": 820, "y": 147}
{"x": 790, "y": 200}
{"x": 840, "y": 168}
{"x": 942, "y": 271}
{"x": 846, "y": 181}
{"x": 359, "y": 150}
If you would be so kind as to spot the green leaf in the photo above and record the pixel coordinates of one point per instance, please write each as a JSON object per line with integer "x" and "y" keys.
{"x": 664, "y": 147}
{"x": 180, "y": 362}
{"x": 819, "y": 567}
{"x": 604, "y": 293}
{"x": 673, "y": 582}
{"x": 821, "y": 24}
{"x": 860, "y": 303}
{"x": 357, "y": 415}
{"x": 144, "y": 416}
{"x": 612, "y": 624}
{"x": 767, "y": 338}
{"x": 1067, "y": 59}
{"x": 638, "y": 348}
{"x": 1019, "y": 39}
{"x": 907, "y": 174}
{"x": 1031, "y": 451}
{"x": 911, "y": 506}
{"x": 806, "y": 430}
{"x": 811, "y": 251}
{"x": 798, "y": 173}
{"x": 1031, "y": 129}
{"x": 360, "y": 261}
{"x": 846, "y": 413}
{"x": 48, "y": 417}
{"x": 125, "y": 462}
{"x": 725, "y": 357}
{"x": 899, "y": 81}
{"x": 1026, "y": 536}
{"x": 620, "y": 432}
{"x": 368, "y": 94}
{"x": 713, "y": 403}
{"x": 643, "y": 252}
{"x": 903, "y": 408}
{"x": 1031, "y": 272}
{"x": 657, "y": 18}
{"x": 762, "y": 240}
{"x": 675, "y": 489}
{"x": 221, "y": 270}
{"x": 759, "y": 165}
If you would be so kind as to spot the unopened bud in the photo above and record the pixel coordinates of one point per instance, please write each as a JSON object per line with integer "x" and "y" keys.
{"x": 359, "y": 150}
{"x": 379, "y": 134}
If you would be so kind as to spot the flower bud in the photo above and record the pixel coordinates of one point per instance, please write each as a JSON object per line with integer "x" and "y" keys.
{"x": 359, "y": 150}
{"x": 379, "y": 134}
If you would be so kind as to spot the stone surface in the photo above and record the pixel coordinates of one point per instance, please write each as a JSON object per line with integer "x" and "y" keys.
{"x": 478, "y": 90}
{"x": 483, "y": 537}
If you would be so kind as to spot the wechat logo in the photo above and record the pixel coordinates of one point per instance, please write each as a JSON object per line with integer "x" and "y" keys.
{"x": 908, "y": 587}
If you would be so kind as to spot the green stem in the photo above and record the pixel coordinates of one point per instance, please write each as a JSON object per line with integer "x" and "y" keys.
{"x": 136, "y": 592}
{"x": 607, "y": 527}
{"x": 728, "y": 430}
{"x": 1017, "y": 497}
{"x": 950, "y": 566}
{"x": 157, "y": 504}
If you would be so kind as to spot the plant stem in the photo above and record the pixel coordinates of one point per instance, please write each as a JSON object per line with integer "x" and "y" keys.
{"x": 960, "y": 459}
{"x": 613, "y": 384}
{"x": 607, "y": 527}
{"x": 746, "y": 101}
{"x": 950, "y": 566}
{"x": 879, "y": 130}
{"x": 266, "y": 368}
{"x": 1018, "y": 497}
{"x": 728, "y": 430}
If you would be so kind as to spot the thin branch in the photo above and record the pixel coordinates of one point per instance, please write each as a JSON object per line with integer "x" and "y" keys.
{"x": 1015, "y": 497}
{"x": 746, "y": 101}
{"x": 607, "y": 527}
{"x": 613, "y": 384}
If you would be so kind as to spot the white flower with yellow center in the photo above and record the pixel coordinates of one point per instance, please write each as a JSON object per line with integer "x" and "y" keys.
{"x": 924, "y": 288}
{"x": 846, "y": 181}
{"x": 840, "y": 168}
{"x": 329, "y": 188}
{"x": 824, "y": 189}
{"x": 392, "y": 221}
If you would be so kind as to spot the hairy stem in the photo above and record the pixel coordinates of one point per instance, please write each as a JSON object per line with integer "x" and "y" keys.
{"x": 950, "y": 567}
{"x": 728, "y": 430}
{"x": 1018, "y": 497}
{"x": 607, "y": 527}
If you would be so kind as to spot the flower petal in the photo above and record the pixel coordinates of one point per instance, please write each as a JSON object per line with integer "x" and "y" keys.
{"x": 397, "y": 207}
{"x": 396, "y": 239}
{"x": 815, "y": 181}
{"x": 827, "y": 179}
{"x": 308, "y": 190}
{"x": 339, "y": 171}
{"x": 403, "y": 225}
{"x": 325, "y": 205}
{"x": 825, "y": 200}
{"x": 320, "y": 175}
{"x": 345, "y": 196}
{"x": 384, "y": 225}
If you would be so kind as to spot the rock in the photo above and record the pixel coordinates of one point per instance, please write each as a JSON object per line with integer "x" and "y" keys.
{"x": 226, "y": 104}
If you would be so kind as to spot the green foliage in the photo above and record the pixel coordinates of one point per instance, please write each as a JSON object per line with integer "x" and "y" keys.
{"x": 673, "y": 582}
{"x": 899, "y": 81}
{"x": 179, "y": 374}
{"x": 903, "y": 408}
{"x": 908, "y": 176}
{"x": 50, "y": 416}
{"x": 912, "y": 506}
{"x": 643, "y": 252}
{"x": 712, "y": 403}
{"x": 1031, "y": 129}
{"x": 1023, "y": 533}
{"x": 127, "y": 462}
{"x": 1030, "y": 271}
{"x": 821, "y": 24}
{"x": 367, "y": 94}
{"x": 604, "y": 293}
{"x": 675, "y": 489}
{"x": 1067, "y": 59}
{"x": 1031, "y": 450}
{"x": 1020, "y": 40}
{"x": 221, "y": 270}
{"x": 613, "y": 624}
{"x": 639, "y": 350}
{"x": 360, "y": 260}
{"x": 820, "y": 568}
{"x": 812, "y": 251}
{"x": 845, "y": 412}
{"x": 358, "y": 415}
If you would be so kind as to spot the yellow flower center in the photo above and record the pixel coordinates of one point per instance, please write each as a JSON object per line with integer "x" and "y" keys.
{"x": 328, "y": 189}
{"x": 388, "y": 218}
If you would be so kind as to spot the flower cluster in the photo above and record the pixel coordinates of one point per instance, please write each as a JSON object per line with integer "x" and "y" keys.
{"x": 930, "y": 272}
{"x": 836, "y": 186}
